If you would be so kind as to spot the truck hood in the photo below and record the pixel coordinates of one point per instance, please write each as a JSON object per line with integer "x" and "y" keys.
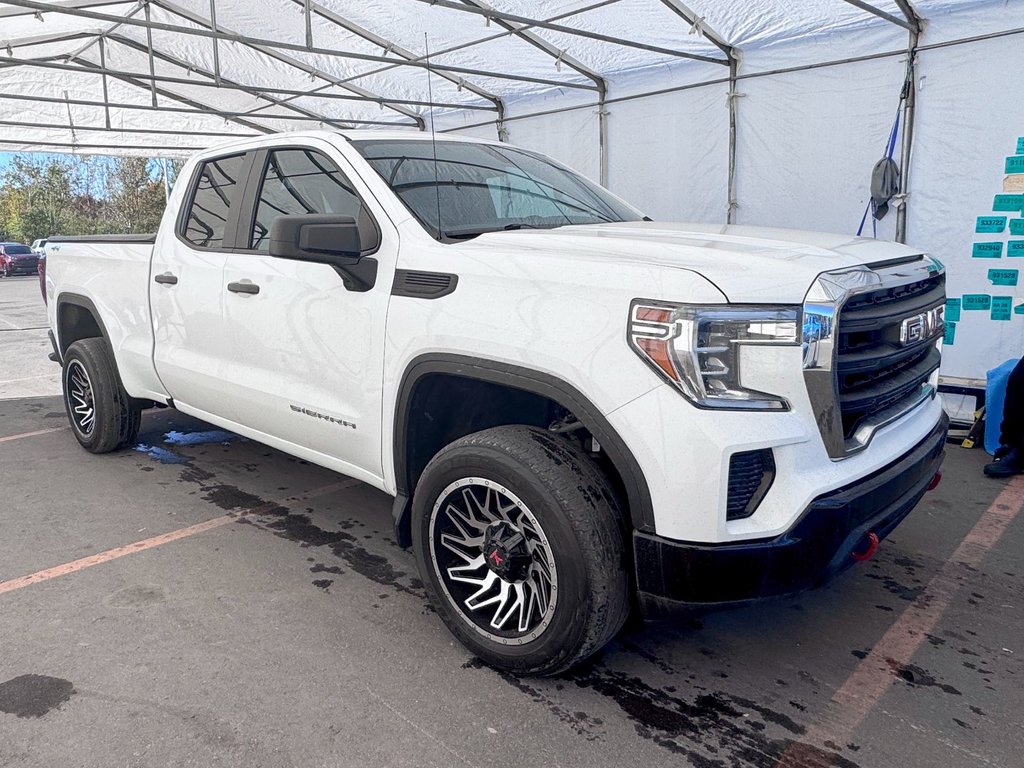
{"x": 748, "y": 264}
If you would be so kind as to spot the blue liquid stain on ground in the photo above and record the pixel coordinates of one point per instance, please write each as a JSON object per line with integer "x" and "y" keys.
{"x": 165, "y": 456}
{"x": 199, "y": 438}
{"x": 161, "y": 454}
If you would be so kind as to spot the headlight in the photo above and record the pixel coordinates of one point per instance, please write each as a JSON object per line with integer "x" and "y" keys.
{"x": 696, "y": 348}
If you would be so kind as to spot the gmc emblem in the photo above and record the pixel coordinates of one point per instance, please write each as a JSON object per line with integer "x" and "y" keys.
{"x": 922, "y": 326}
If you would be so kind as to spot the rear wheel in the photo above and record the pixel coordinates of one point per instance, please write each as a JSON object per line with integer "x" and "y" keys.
{"x": 102, "y": 415}
{"x": 519, "y": 540}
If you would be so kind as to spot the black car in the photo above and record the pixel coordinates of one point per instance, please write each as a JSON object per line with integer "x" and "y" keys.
{"x": 17, "y": 259}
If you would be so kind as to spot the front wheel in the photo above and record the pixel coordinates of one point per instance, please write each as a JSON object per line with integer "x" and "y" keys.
{"x": 519, "y": 540}
{"x": 102, "y": 415}
{"x": 3, "y": 270}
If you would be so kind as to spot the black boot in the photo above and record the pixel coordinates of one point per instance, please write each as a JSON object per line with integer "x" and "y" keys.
{"x": 1006, "y": 464}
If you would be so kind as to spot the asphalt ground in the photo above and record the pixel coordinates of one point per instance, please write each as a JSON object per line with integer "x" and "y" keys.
{"x": 266, "y": 618}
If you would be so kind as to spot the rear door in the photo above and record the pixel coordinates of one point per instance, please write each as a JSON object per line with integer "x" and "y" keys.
{"x": 307, "y": 352}
{"x": 186, "y": 284}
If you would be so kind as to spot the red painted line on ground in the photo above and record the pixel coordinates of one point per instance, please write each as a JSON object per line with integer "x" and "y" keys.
{"x": 871, "y": 678}
{"x": 156, "y": 541}
{"x": 31, "y": 434}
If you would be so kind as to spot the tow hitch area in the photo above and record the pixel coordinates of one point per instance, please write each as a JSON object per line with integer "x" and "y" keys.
{"x": 870, "y": 547}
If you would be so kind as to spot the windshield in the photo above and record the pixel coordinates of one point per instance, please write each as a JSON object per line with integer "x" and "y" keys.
{"x": 486, "y": 188}
{"x": 12, "y": 249}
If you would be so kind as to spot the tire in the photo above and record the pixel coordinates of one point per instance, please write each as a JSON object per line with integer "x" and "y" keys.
{"x": 547, "y": 504}
{"x": 103, "y": 417}
{"x": 3, "y": 270}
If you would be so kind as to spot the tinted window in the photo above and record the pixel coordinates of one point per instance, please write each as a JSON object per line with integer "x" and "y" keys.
{"x": 12, "y": 249}
{"x": 300, "y": 181}
{"x": 476, "y": 188}
{"x": 217, "y": 191}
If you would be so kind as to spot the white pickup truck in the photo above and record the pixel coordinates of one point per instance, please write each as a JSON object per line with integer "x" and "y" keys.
{"x": 578, "y": 410}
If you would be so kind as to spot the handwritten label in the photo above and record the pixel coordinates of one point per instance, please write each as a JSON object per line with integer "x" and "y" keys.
{"x": 973, "y": 301}
{"x": 1015, "y": 248}
{"x": 987, "y": 250}
{"x": 1002, "y": 307}
{"x": 1020, "y": 146}
{"x": 991, "y": 224}
{"x": 950, "y": 336}
{"x": 1015, "y": 164}
{"x": 1003, "y": 276}
{"x": 1008, "y": 203}
{"x": 1017, "y": 226}
{"x": 952, "y": 310}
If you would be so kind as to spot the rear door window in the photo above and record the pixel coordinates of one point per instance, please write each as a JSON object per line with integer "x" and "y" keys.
{"x": 215, "y": 195}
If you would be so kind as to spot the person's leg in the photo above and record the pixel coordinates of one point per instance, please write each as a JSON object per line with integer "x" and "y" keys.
{"x": 1009, "y": 459}
{"x": 1012, "y": 428}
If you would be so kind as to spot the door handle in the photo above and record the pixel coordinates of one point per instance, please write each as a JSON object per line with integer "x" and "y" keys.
{"x": 244, "y": 286}
{"x": 166, "y": 279}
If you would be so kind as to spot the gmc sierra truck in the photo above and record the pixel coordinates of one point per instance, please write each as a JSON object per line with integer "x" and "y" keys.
{"x": 578, "y": 410}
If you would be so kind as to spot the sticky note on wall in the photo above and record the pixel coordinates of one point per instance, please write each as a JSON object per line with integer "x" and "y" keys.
{"x": 1015, "y": 248}
{"x": 1020, "y": 146}
{"x": 1008, "y": 203}
{"x": 1015, "y": 164}
{"x": 952, "y": 310}
{"x": 990, "y": 224}
{"x": 1017, "y": 226}
{"x": 976, "y": 301}
{"x": 1002, "y": 307}
{"x": 1003, "y": 276}
{"x": 993, "y": 250}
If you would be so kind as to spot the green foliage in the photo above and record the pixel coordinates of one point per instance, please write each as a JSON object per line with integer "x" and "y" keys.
{"x": 77, "y": 195}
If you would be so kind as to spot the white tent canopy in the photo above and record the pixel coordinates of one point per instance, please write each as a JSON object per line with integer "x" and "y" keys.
{"x": 761, "y": 112}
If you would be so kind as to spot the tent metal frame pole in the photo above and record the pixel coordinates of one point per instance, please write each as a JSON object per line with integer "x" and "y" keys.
{"x": 291, "y": 61}
{"x": 867, "y": 7}
{"x": 78, "y": 147}
{"x": 215, "y": 41}
{"x": 107, "y": 129}
{"x": 488, "y": 39}
{"x": 200, "y": 109}
{"x": 149, "y": 51}
{"x": 390, "y": 46}
{"x": 205, "y": 31}
{"x": 9, "y": 13}
{"x": 227, "y": 84}
{"x": 496, "y": 15}
{"x": 697, "y": 24}
{"x": 561, "y": 57}
{"x": 106, "y": 93}
{"x": 29, "y": 42}
{"x": 153, "y": 79}
{"x": 909, "y": 112}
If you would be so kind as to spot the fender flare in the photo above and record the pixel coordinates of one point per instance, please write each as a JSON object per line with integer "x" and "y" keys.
{"x": 638, "y": 495}
{"x": 84, "y": 302}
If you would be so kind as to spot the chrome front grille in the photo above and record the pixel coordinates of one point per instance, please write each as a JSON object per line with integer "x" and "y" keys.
{"x": 871, "y": 346}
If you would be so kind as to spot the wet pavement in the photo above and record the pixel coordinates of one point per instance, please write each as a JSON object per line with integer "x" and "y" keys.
{"x": 298, "y": 633}
{"x": 267, "y": 618}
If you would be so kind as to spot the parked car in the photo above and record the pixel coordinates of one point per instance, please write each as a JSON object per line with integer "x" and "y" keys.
{"x": 39, "y": 246}
{"x": 17, "y": 259}
{"x": 577, "y": 409}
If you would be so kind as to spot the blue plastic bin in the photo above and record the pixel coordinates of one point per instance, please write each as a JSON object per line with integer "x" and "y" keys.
{"x": 995, "y": 396}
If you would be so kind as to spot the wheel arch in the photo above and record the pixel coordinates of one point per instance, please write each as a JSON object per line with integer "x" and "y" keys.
{"x": 520, "y": 379}
{"x": 76, "y": 318}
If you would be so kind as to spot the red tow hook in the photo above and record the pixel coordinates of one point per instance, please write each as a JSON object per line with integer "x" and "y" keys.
{"x": 868, "y": 553}
{"x": 934, "y": 483}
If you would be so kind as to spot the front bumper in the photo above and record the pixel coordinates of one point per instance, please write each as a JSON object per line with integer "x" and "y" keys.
{"x": 671, "y": 575}
{"x": 22, "y": 269}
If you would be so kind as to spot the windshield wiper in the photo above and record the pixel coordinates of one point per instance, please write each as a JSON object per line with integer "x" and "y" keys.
{"x": 465, "y": 234}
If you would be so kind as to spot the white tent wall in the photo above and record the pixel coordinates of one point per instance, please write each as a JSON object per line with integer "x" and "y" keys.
{"x": 806, "y": 139}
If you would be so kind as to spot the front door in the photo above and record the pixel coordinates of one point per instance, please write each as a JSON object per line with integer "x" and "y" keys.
{"x": 307, "y": 352}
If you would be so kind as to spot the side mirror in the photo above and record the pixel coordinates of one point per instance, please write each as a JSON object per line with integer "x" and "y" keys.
{"x": 325, "y": 238}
